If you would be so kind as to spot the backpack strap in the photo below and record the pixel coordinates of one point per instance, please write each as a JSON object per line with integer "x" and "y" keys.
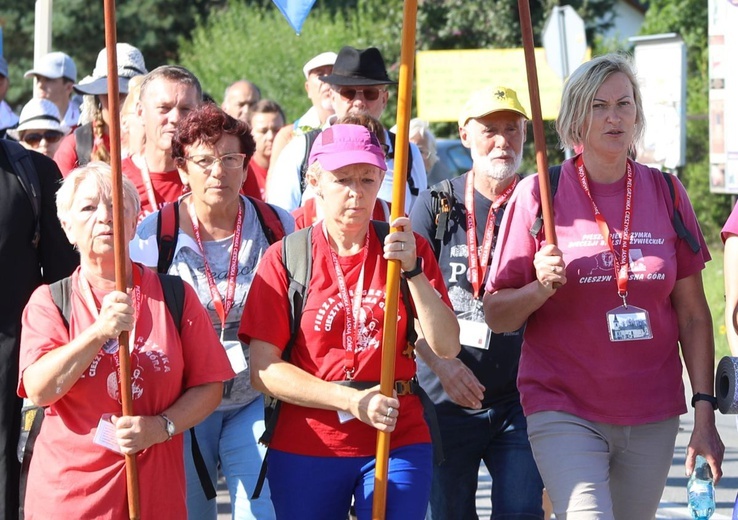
{"x": 60, "y": 295}
{"x": 83, "y": 143}
{"x": 61, "y": 291}
{"x": 676, "y": 218}
{"x": 174, "y": 296}
{"x": 271, "y": 225}
{"x": 22, "y": 165}
{"x": 167, "y": 234}
{"x": 382, "y": 229}
{"x": 554, "y": 174}
{"x": 442, "y": 201}
{"x": 414, "y": 190}
{"x": 310, "y": 138}
{"x": 297, "y": 260}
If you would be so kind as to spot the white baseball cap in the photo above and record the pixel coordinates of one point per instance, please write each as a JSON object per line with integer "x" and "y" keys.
{"x": 54, "y": 65}
{"x": 321, "y": 60}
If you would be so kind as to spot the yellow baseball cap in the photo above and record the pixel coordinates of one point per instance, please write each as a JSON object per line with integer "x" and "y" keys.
{"x": 489, "y": 100}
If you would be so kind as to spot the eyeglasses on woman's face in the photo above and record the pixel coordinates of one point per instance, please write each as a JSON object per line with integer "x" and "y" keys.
{"x": 207, "y": 162}
{"x": 34, "y": 138}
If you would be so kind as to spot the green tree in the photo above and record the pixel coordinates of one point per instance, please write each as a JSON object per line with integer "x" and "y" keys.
{"x": 256, "y": 43}
{"x": 688, "y": 18}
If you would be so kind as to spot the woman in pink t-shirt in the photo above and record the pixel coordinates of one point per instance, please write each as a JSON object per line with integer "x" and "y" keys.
{"x": 606, "y": 311}
{"x": 69, "y": 364}
{"x": 322, "y": 451}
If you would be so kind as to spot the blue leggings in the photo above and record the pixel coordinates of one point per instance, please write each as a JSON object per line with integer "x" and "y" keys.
{"x": 321, "y": 488}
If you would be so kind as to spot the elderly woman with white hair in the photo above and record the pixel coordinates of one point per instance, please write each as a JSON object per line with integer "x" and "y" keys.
{"x": 607, "y": 311}
{"x": 69, "y": 364}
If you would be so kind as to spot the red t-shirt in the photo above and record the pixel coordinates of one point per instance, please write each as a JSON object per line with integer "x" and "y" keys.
{"x": 568, "y": 362}
{"x": 255, "y": 183}
{"x": 167, "y": 186}
{"x": 319, "y": 348}
{"x": 70, "y": 476}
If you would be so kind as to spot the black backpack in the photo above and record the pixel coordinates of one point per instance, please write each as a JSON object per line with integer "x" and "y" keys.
{"x": 22, "y": 165}
{"x": 173, "y": 289}
{"x": 167, "y": 229}
{"x": 554, "y": 174}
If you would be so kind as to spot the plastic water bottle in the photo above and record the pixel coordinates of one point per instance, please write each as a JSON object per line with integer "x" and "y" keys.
{"x": 701, "y": 491}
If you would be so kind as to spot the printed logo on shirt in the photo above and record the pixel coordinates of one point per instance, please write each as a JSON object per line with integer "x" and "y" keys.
{"x": 369, "y": 322}
{"x": 107, "y": 365}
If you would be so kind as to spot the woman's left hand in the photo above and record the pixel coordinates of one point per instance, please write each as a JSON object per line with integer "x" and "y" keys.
{"x": 705, "y": 441}
{"x": 400, "y": 245}
{"x": 136, "y": 432}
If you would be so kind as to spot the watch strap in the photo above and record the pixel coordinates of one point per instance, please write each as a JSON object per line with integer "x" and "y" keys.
{"x": 705, "y": 397}
{"x": 168, "y": 426}
{"x": 414, "y": 271}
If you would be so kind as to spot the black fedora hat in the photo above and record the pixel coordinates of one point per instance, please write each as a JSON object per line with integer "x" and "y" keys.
{"x": 358, "y": 67}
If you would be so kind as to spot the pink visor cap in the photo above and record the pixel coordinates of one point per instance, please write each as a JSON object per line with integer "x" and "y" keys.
{"x": 341, "y": 145}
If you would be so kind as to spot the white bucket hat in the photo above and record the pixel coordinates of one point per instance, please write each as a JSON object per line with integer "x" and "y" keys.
{"x": 130, "y": 63}
{"x": 39, "y": 114}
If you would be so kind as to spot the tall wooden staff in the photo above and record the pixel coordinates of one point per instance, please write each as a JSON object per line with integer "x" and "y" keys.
{"x": 119, "y": 237}
{"x": 399, "y": 181}
{"x": 539, "y": 136}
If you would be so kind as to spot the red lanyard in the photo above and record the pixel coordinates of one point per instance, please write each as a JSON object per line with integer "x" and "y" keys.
{"x": 477, "y": 266}
{"x": 89, "y": 299}
{"x": 221, "y": 308}
{"x": 146, "y": 177}
{"x": 351, "y": 309}
{"x": 621, "y": 263}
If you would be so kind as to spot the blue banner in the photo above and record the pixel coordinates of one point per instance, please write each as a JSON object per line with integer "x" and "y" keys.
{"x": 296, "y": 11}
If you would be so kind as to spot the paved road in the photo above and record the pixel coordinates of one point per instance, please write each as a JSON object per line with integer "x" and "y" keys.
{"x": 673, "y": 502}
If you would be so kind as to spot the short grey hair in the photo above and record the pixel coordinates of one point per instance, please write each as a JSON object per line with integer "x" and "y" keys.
{"x": 174, "y": 74}
{"x": 579, "y": 93}
{"x": 103, "y": 176}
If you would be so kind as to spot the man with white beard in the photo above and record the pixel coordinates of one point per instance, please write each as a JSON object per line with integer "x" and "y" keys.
{"x": 475, "y": 394}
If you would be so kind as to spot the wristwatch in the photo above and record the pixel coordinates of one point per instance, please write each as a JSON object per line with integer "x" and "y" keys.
{"x": 705, "y": 397}
{"x": 414, "y": 271}
{"x": 169, "y": 426}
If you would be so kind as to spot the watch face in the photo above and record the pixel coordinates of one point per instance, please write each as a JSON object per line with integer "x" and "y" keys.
{"x": 170, "y": 427}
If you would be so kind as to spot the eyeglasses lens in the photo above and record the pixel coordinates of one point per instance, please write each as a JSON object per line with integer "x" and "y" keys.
{"x": 34, "y": 139}
{"x": 370, "y": 94}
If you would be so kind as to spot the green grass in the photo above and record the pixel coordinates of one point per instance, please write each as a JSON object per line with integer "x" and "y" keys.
{"x": 712, "y": 277}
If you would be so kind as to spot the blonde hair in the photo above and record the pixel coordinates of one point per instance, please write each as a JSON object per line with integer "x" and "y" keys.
{"x": 580, "y": 91}
{"x": 101, "y": 173}
{"x": 91, "y": 113}
{"x": 128, "y": 110}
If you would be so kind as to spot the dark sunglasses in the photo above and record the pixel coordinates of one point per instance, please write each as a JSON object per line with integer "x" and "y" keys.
{"x": 369, "y": 93}
{"x": 34, "y": 139}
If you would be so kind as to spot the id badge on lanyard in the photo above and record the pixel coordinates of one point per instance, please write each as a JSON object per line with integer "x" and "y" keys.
{"x": 625, "y": 322}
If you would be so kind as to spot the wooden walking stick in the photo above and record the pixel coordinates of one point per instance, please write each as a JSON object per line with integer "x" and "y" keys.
{"x": 387, "y": 380}
{"x": 539, "y": 136}
{"x": 119, "y": 237}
